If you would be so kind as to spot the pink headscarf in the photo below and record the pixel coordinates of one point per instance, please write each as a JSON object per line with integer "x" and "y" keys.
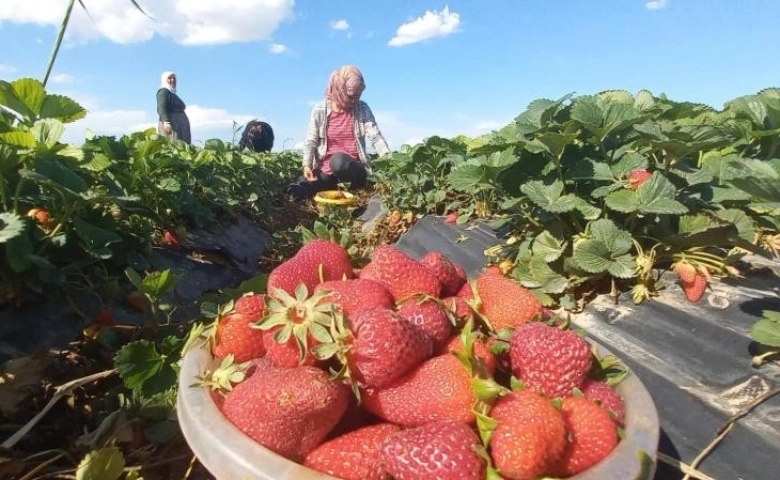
{"x": 344, "y": 87}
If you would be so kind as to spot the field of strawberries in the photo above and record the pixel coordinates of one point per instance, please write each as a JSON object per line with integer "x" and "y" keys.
{"x": 342, "y": 353}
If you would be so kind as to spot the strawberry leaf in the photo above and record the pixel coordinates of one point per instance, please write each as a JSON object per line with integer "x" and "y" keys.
{"x": 767, "y": 330}
{"x": 550, "y": 197}
{"x": 549, "y": 246}
{"x": 11, "y": 225}
{"x": 106, "y": 463}
{"x": 143, "y": 368}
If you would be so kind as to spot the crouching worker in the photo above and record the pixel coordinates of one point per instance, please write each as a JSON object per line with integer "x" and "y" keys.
{"x": 258, "y": 136}
{"x": 335, "y": 147}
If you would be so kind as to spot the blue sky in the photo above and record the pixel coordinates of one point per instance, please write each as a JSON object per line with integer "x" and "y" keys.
{"x": 431, "y": 68}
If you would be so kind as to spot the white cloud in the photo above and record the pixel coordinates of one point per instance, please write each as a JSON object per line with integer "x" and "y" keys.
{"x": 189, "y": 22}
{"x": 7, "y": 68}
{"x": 62, "y": 78}
{"x": 656, "y": 4}
{"x": 341, "y": 25}
{"x": 277, "y": 48}
{"x": 430, "y": 25}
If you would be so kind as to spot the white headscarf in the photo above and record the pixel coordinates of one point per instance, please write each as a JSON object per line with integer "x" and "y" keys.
{"x": 164, "y": 81}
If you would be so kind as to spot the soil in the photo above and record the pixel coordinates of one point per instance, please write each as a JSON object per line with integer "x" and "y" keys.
{"x": 50, "y": 448}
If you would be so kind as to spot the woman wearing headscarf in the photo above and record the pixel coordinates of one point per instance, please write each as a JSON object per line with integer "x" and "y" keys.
{"x": 335, "y": 147}
{"x": 173, "y": 122}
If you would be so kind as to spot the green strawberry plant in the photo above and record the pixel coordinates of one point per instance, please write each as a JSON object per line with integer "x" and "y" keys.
{"x": 766, "y": 331}
{"x": 604, "y": 190}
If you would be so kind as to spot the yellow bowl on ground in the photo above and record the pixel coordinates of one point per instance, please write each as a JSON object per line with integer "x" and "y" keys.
{"x": 335, "y": 197}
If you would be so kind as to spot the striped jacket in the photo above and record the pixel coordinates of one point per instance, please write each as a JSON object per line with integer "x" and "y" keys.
{"x": 316, "y": 144}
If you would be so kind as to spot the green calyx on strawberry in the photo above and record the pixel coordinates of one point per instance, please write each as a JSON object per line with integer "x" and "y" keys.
{"x": 224, "y": 377}
{"x": 297, "y": 322}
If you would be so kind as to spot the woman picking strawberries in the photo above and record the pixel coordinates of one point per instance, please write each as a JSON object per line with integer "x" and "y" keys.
{"x": 335, "y": 147}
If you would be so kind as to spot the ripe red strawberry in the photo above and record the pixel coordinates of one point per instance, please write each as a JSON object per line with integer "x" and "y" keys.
{"x": 42, "y": 217}
{"x": 170, "y": 239}
{"x": 234, "y": 336}
{"x": 287, "y": 410}
{"x": 440, "y": 450}
{"x": 694, "y": 291}
{"x": 637, "y": 178}
{"x": 605, "y": 396}
{"x": 443, "y": 269}
{"x": 105, "y": 317}
{"x": 334, "y": 259}
{"x": 401, "y": 275}
{"x": 685, "y": 271}
{"x": 439, "y": 389}
{"x": 290, "y": 273}
{"x": 504, "y": 302}
{"x": 356, "y": 293}
{"x": 251, "y": 306}
{"x": 451, "y": 218}
{"x": 354, "y": 455}
{"x": 430, "y": 318}
{"x": 548, "y": 359}
{"x": 466, "y": 292}
{"x": 592, "y": 435}
{"x": 529, "y": 437}
{"x": 384, "y": 346}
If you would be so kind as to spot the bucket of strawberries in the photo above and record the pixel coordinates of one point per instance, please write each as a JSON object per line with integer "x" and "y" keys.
{"x": 406, "y": 369}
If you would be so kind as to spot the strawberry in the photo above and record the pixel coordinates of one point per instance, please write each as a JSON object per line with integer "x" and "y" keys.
{"x": 443, "y": 269}
{"x": 384, "y": 346}
{"x": 438, "y": 389}
{"x": 355, "y": 293}
{"x": 466, "y": 292}
{"x": 170, "y": 239}
{"x": 104, "y": 317}
{"x": 592, "y": 435}
{"x": 504, "y": 302}
{"x": 685, "y": 271}
{"x": 334, "y": 259}
{"x": 605, "y": 396}
{"x": 251, "y": 306}
{"x": 401, "y": 275}
{"x": 441, "y": 450}
{"x": 353, "y": 456}
{"x": 41, "y": 216}
{"x": 234, "y": 336}
{"x": 290, "y": 273}
{"x": 287, "y": 410}
{"x": 451, "y": 218}
{"x": 637, "y": 178}
{"x": 549, "y": 359}
{"x": 530, "y": 435}
{"x": 694, "y": 291}
{"x": 428, "y": 316}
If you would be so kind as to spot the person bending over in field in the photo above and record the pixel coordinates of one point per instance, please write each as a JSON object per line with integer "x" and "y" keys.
{"x": 335, "y": 147}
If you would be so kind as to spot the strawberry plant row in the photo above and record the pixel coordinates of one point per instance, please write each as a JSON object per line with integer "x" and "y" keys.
{"x": 600, "y": 192}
